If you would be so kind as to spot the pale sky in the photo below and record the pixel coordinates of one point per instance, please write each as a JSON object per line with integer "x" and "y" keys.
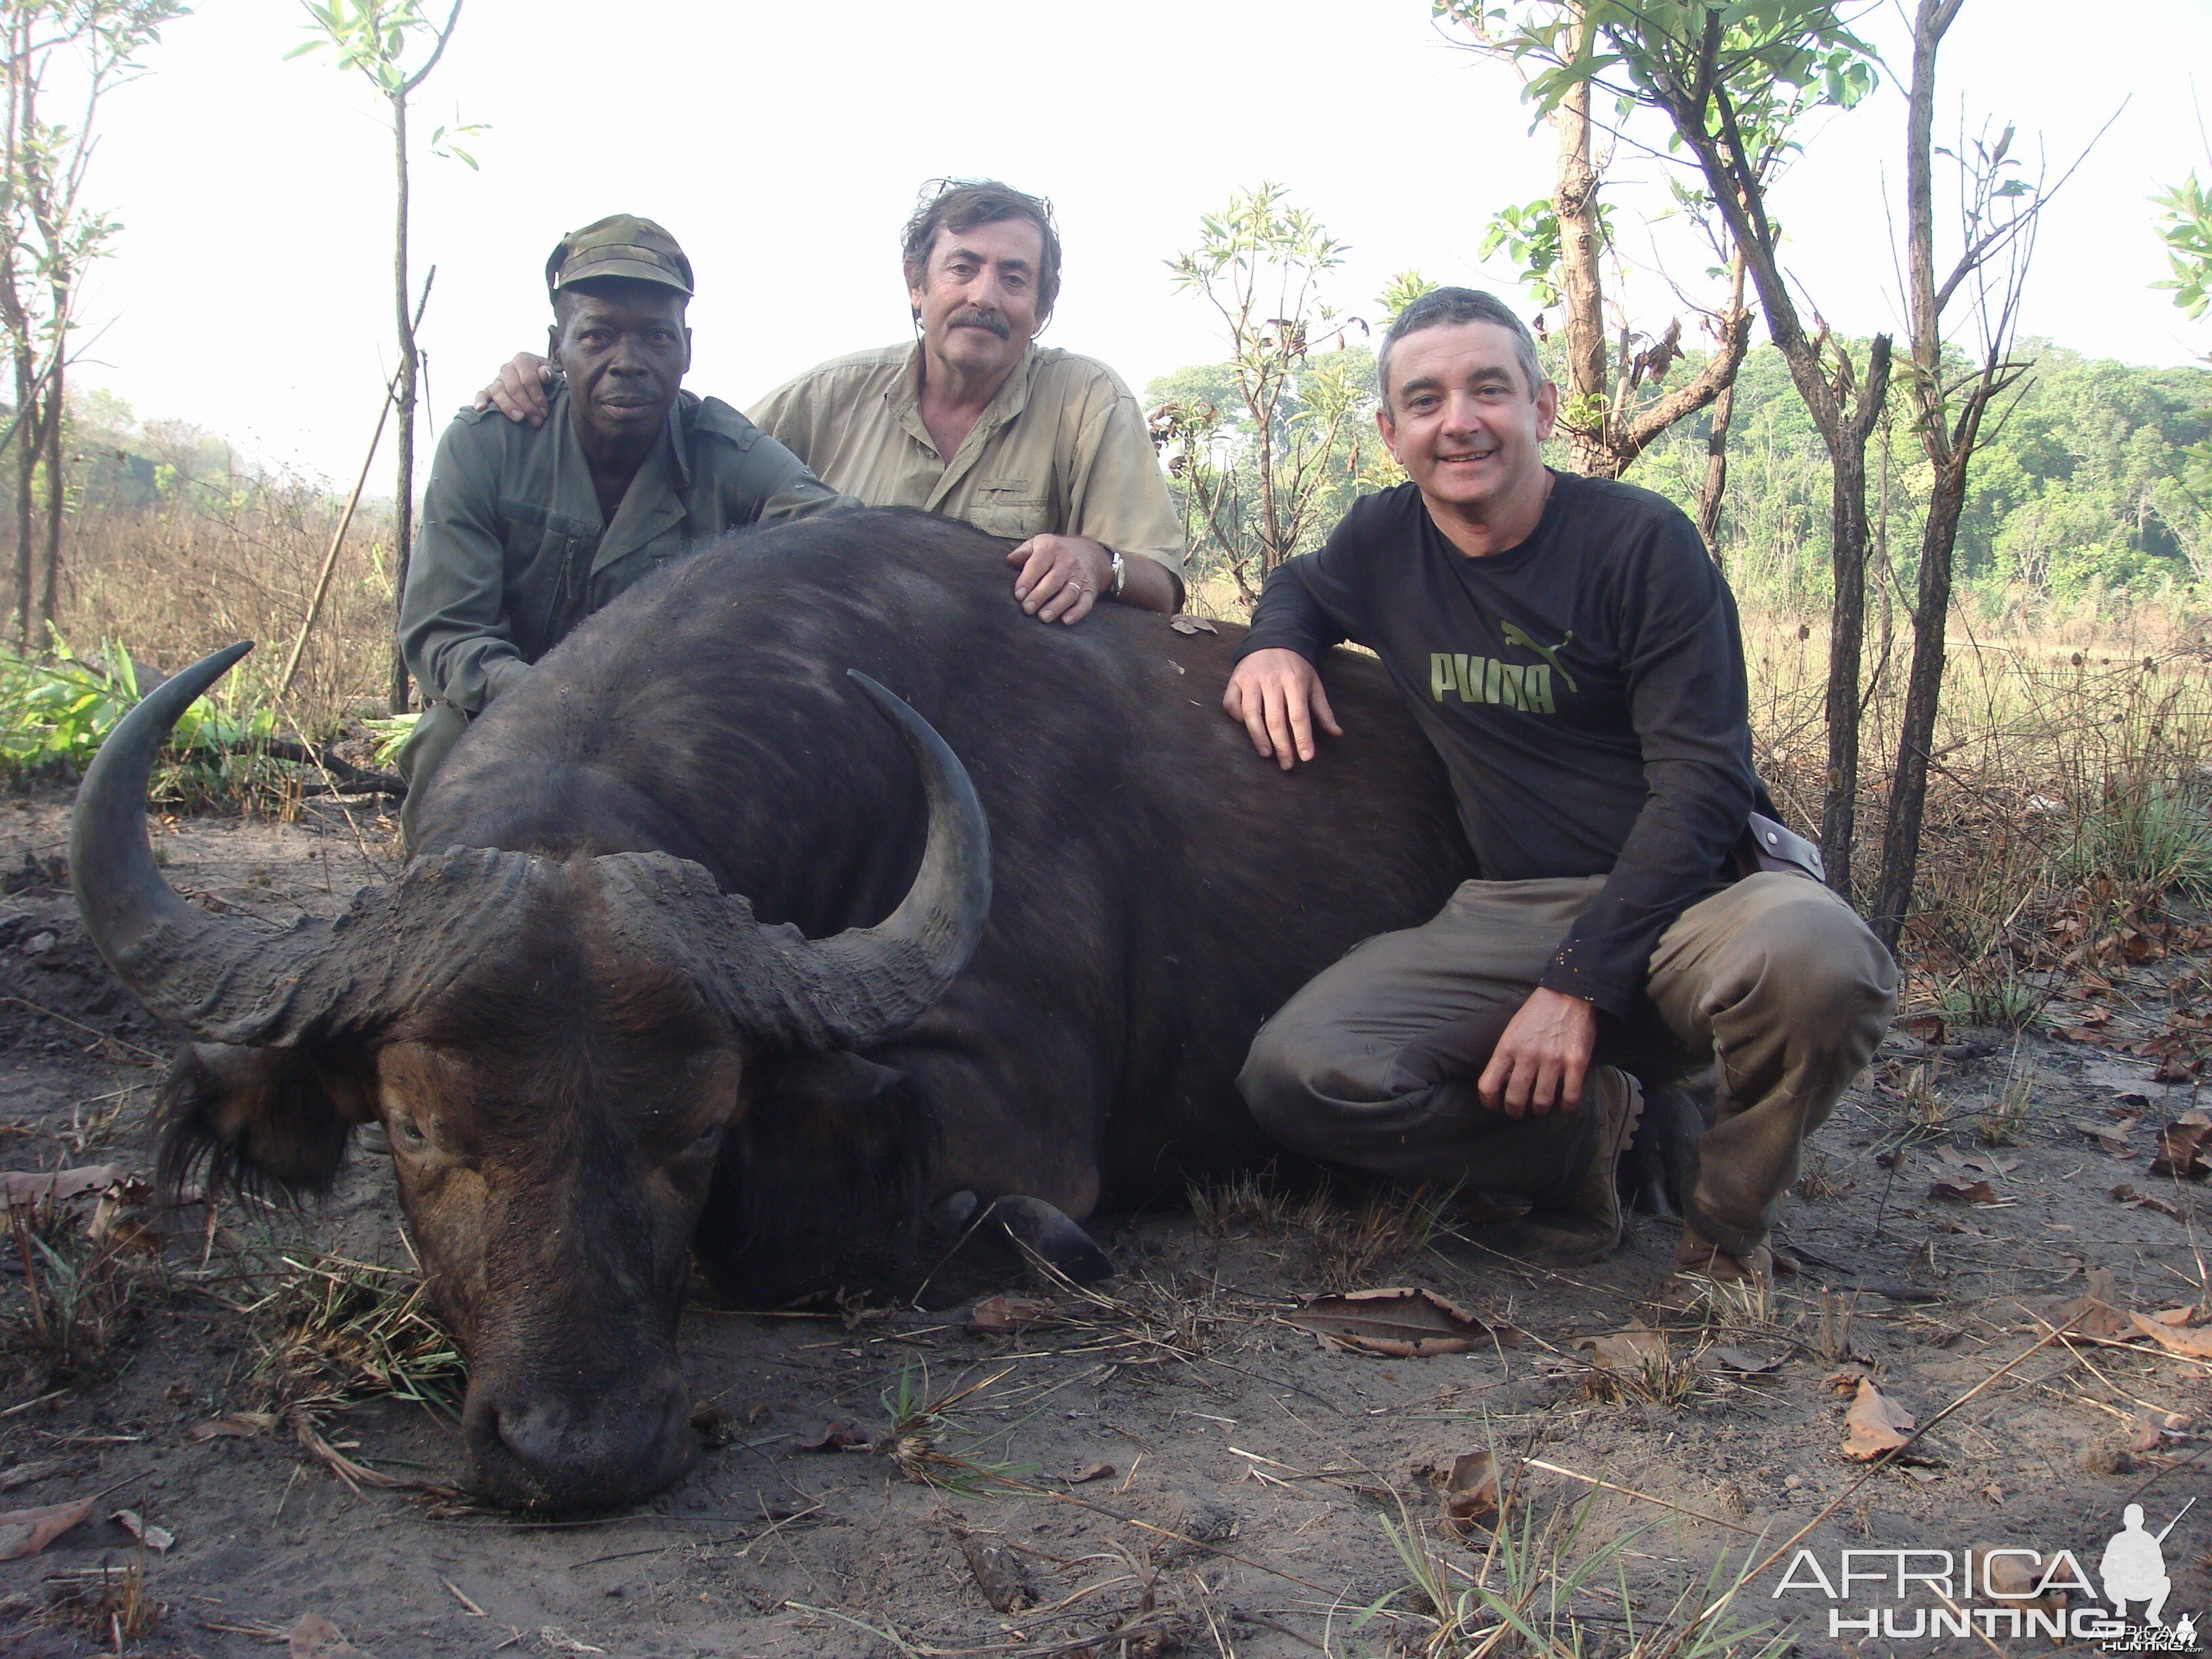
{"x": 782, "y": 145}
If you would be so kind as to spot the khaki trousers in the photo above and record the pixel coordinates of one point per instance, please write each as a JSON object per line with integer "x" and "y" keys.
{"x": 1775, "y": 978}
{"x": 437, "y": 729}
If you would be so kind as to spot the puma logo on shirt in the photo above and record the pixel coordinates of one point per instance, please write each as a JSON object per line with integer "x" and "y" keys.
{"x": 1526, "y": 686}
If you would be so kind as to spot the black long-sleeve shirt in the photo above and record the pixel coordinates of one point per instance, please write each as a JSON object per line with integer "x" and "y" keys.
{"x": 1585, "y": 689}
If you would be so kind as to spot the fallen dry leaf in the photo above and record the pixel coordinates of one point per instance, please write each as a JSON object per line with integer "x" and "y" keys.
{"x": 315, "y": 1638}
{"x": 2177, "y": 1338}
{"x": 1005, "y": 1313}
{"x": 2135, "y": 1200}
{"x": 1845, "y": 1381}
{"x": 1875, "y": 1424}
{"x": 243, "y": 1425}
{"x": 156, "y": 1539}
{"x": 2096, "y": 1311}
{"x": 25, "y": 1531}
{"x": 1928, "y": 1028}
{"x": 1090, "y": 1472}
{"x": 2113, "y": 1138}
{"x": 1397, "y": 1323}
{"x": 839, "y": 1436}
{"x": 1962, "y": 1192}
{"x": 1630, "y": 1347}
{"x": 29, "y": 1186}
{"x": 1470, "y": 1490}
{"x": 1192, "y": 625}
{"x": 2181, "y": 1147}
{"x": 1987, "y": 1163}
{"x": 1722, "y": 1357}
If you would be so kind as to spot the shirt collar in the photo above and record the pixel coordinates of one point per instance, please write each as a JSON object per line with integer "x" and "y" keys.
{"x": 904, "y": 396}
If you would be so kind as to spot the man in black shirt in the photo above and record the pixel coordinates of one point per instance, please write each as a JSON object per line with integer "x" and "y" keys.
{"x": 1574, "y": 655}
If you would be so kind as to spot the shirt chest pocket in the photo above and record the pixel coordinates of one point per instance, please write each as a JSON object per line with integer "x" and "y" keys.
{"x": 1011, "y": 507}
{"x": 548, "y": 559}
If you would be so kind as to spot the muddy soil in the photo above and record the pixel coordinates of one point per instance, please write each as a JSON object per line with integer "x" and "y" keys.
{"x": 1171, "y": 1468}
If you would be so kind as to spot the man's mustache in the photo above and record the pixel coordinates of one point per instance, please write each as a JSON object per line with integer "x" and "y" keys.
{"x": 972, "y": 318}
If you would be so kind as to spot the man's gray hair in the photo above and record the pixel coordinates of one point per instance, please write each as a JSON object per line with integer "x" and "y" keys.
{"x": 1440, "y": 307}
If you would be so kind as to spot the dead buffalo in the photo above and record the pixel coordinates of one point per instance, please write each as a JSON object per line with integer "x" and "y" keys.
{"x": 698, "y": 953}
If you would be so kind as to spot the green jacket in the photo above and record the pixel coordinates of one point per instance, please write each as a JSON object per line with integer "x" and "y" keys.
{"x": 513, "y": 552}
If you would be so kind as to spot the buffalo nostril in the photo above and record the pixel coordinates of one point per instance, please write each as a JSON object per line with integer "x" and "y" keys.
{"x": 611, "y": 1446}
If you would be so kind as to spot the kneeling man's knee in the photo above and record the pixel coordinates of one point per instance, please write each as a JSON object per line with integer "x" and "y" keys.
{"x": 1303, "y": 1077}
{"x": 1827, "y": 976}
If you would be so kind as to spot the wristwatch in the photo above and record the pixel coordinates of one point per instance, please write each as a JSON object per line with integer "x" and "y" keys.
{"x": 1120, "y": 572}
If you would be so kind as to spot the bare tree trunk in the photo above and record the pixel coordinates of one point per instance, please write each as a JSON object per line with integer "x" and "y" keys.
{"x": 1924, "y": 690}
{"x": 403, "y": 405}
{"x": 1948, "y": 453}
{"x": 57, "y": 497}
{"x": 28, "y": 442}
{"x": 1714, "y": 490}
{"x": 1574, "y": 201}
{"x": 1846, "y": 638}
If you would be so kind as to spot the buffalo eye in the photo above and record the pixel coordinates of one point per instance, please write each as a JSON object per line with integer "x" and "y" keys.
{"x": 406, "y": 1133}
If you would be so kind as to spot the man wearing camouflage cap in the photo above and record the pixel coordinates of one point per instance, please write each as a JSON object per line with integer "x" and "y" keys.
{"x": 528, "y": 530}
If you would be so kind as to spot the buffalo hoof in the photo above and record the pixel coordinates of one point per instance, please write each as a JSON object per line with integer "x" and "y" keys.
{"x": 949, "y": 1216}
{"x": 1049, "y": 1232}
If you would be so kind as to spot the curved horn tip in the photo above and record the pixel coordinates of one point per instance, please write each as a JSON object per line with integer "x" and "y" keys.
{"x": 119, "y": 890}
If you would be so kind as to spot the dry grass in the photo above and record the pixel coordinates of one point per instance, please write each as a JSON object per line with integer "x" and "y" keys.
{"x": 1345, "y": 1244}
{"x": 1545, "y": 1584}
{"x": 334, "y": 1330}
{"x": 64, "y": 1313}
{"x": 110, "y": 1604}
{"x": 2069, "y": 797}
{"x": 236, "y": 558}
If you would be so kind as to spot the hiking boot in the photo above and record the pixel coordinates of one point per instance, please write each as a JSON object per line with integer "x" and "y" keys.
{"x": 1584, "y": 1223}
{"x": 1700, "y": 1258}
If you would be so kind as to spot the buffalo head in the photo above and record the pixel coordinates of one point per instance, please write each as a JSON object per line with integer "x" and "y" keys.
{"x": 557, "y": 1048}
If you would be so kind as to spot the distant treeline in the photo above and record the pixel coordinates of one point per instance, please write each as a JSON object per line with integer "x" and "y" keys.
{"x": 2097, "y": 485}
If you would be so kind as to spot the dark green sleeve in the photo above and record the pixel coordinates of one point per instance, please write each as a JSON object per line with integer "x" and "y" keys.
{"x": 453, "y": 627}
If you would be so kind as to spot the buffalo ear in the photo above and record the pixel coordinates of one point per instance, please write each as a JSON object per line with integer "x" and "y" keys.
{"x": 259, "y": 1118}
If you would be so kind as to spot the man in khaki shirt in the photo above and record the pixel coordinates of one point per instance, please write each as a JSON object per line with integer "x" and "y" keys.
{"x": 1042, "y": 445}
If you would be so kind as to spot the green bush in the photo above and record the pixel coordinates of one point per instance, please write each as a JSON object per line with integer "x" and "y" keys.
{"x": 54, "y": 715}
{"x": 2146, "y": 835}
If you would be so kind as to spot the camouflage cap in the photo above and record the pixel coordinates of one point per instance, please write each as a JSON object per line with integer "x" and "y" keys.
{"x": 620, "y": 245}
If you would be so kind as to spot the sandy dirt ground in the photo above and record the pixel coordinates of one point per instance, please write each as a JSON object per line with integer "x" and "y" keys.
{"x": 1168, "y": 1467}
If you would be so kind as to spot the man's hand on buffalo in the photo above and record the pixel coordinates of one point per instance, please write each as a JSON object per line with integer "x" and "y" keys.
{"x": 522, "y": 391}
{"x": 1543, "y": 1057}
{"x": 1277, "y": 695}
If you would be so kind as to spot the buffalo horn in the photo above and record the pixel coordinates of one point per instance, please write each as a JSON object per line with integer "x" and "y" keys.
{"x": 224, "y": 978}
{"x": 237, "y": 980}
{"x": 857, "y": 986}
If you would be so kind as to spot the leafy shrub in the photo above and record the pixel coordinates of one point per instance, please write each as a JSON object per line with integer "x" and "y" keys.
{"x": 54, "y": 715}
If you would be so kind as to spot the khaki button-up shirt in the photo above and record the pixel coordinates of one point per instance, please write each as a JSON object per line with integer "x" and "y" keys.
{"x": 1062, "y": 449}
{"x": 514, "y": 552}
